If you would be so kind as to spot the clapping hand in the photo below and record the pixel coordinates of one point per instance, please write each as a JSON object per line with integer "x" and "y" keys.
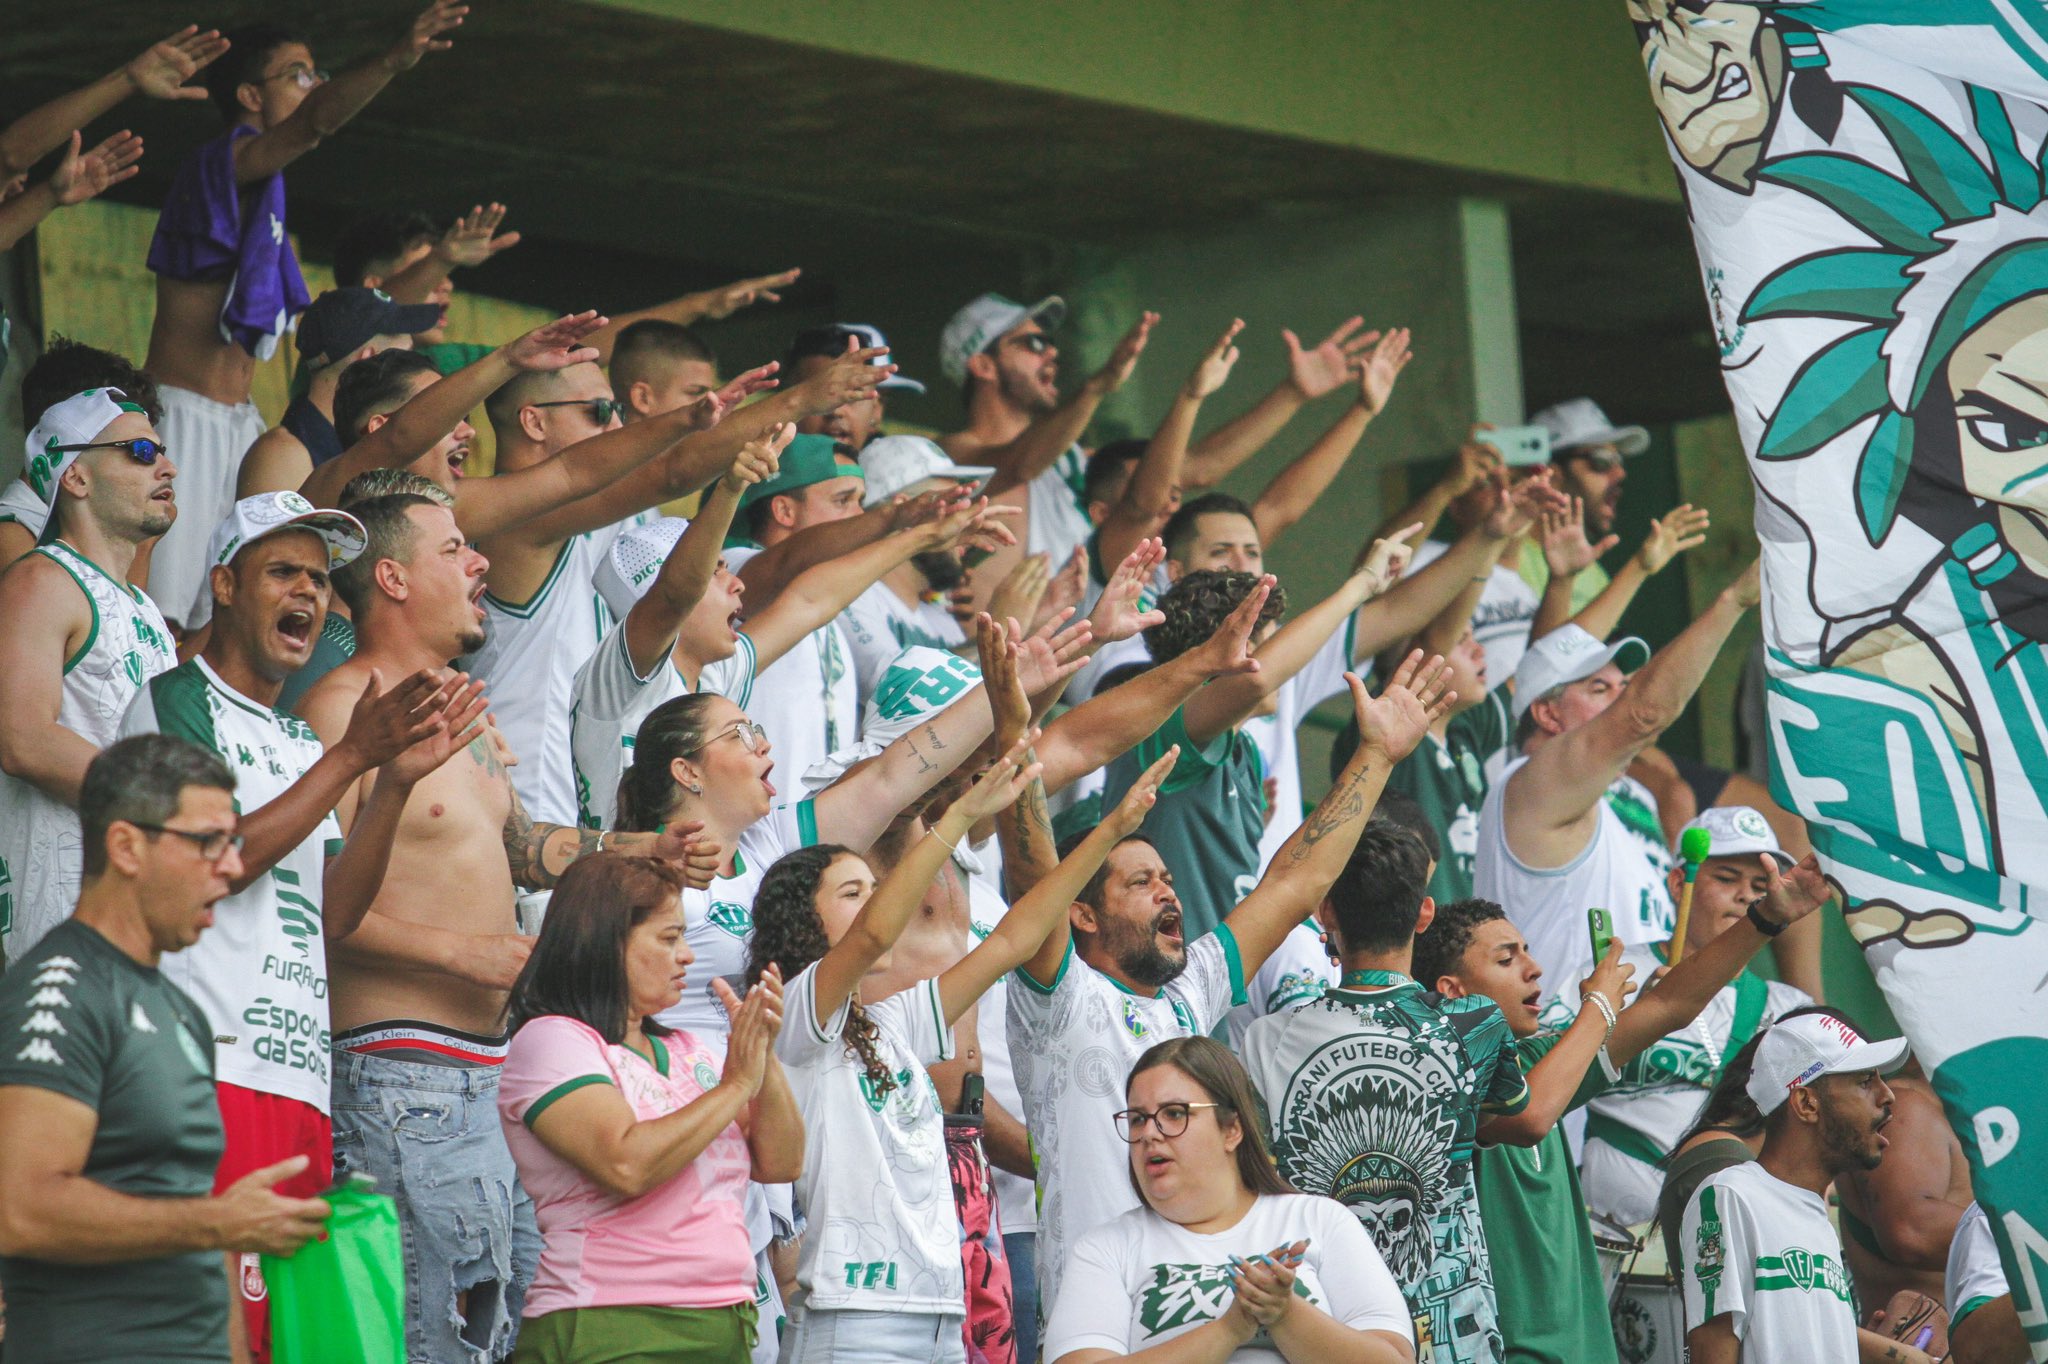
{"x": 755, "y": 1022}
{"x": 1393, "y": 723}
{"x": 385, "y": 724}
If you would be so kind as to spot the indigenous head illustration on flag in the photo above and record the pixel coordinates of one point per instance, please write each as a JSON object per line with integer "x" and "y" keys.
{"x": 1868, "y": 193}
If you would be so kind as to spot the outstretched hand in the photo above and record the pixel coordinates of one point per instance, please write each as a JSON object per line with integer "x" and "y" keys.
{"x": 1130, "y": 812}
{"x": 759, "y": 460}
{"x": 1381, "y": 370}
{"x": 1324, "y": 367}
{"x": 1799, "y": 891}
{"x": 1678, "y": 530}
{"x": 1389, "y": 557}
{"x": 1117, "y": 369}
{"x": 1393, "y": 723}
{"x": 847, "y": 379}
{"x": 1119, "y": 612}
{"x": 1000, "y": 787}
{"x": 1052, "y": 653}
{"x": 1566, "y": 551}
{"x": 473, "y": 238}
{"x": 1009, "y": 704}
{"x": 557, "y": 345}
{"x": 162, "y": 69}
{"x": 424, "y": 35}
{"x": 728, "y": 299}
{"x": 1229, "y": 650}
{"x": 81, "y": 176}
{"x": 1216, "y": 365}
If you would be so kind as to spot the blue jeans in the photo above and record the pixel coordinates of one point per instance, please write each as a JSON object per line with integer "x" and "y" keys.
{"x": 1020, "y": 1248}
{"x": 857, "y": 1337}
{"x": 429, "y": 1136}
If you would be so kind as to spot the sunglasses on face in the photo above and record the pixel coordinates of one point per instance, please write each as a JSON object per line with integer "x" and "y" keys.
{"x": 752, "y": 737}
{"x": 602, "y": 410}
{"x": 1599, "y": 461}
{"x": 1170, "y": 1119}
{"x": 1038, "y": 343}
{"x": 141, "y": 449}
{"x": 213, "y": 846}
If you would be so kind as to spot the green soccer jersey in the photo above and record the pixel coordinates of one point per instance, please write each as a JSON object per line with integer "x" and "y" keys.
{"x": 1207, "y": 823}
{"x": 1375, "y": 1093}
{"x": 1447, "y": 780}
{"x": 83, "y": 1019}
{"x": 1545, "y": 1275}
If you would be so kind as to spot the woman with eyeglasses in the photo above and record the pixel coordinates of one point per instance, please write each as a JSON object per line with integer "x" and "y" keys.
{"x": 1225, "y": 1261}
{"x": 879, "y": 1274}
{"x": 637, "y": 1142}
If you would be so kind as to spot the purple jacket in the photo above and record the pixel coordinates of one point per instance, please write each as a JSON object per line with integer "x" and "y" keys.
{"x": 210, "y": 231}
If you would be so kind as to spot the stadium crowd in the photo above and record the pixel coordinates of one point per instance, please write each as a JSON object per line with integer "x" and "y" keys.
{"x": 875, "y": 918}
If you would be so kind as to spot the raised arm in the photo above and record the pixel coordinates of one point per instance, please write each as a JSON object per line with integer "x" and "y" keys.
{"x": 1019, "y": 461}
{"x": 1311, "y": 373}
{"x": 768, "y": 572}
{"x": 331, "y": 105}
{"x": 1680, "y": 529}
{"x": 1558, "y": 787}
{"x": 434, "y": 411}
{"x": 1557, "y": 1077}
{"x": 1390, "y": 725}
{"x": 471, "y": 239}
{"x": 711, "y": 304}
{"x": 79, "y": 176}
{"x": 1295, "y": 488}
{"x": 1026, "y": 933}
{"x": 161, "y": 72}
{"x": 1475, "y": 462}
{"x": 1148, "y": 498}
{"x": 657, "y": 618}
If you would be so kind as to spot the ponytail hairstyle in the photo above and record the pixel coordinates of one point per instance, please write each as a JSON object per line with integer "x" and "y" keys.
{"x": 1216, "y": 1069}
{"x": 647, "y": 791}
{"x": 790, "y": 934}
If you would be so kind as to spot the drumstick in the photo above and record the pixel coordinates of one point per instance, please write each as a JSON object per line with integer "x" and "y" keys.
{"x": 1693, "y": 847}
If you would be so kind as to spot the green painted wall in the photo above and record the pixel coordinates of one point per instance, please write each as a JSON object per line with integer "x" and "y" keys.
{"x": 1550, "y": 92}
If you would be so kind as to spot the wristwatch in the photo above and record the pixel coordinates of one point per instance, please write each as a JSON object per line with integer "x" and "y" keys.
{"x": 1763, "y": 925}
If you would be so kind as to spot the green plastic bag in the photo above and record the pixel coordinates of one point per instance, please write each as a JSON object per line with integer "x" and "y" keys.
{"x": 341, "y": 1300}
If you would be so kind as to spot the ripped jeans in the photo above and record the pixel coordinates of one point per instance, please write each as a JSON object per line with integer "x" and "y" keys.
{"x": 429, "y": 1136}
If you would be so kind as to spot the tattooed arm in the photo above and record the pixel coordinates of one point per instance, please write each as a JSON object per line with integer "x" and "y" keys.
{"x": 855, "y": 809}
{"x": 1024, "y": 833}
{"x": 539, "y": 853}
{"x": 1302, "y": 872}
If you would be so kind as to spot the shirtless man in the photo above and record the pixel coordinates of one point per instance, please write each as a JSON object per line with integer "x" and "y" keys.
{"x": 418, "y": 990}
{"x": 226, "y": 278}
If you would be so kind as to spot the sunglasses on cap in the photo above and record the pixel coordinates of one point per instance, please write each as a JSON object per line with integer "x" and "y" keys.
{"x": 602, "y": 410}
{"x": 141, "y": 449}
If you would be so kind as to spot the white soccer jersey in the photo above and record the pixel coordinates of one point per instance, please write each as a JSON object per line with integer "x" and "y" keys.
{"x": 1321, "y": 678}
{"x": 1503, "y": 618}
{"x": 1058, "y": 517}
{"x": 1140, "y": 1280}
{"x": 1764, "y": 1251}
{"x": 807, "y": 700}
{"x": 1016, "y": 1196}
{"x": 260, "y": 972}
{"x": 20, "y": 504}
{"x": 718, "y": 922}
{"x": 1073, "y": 1044}
{"x": 40, "y": 843}
{"x": 1612, "y": 872}
{"x": 1299, "y": 970}
{"x": 609, "y": 700}
{"x": 1638, "y": 1121}
{"x": 1974, "y": 1275}
{"x": 532, "y": 651}
{"x": 879, "y": 626}
{"x": 882, "y": 1232}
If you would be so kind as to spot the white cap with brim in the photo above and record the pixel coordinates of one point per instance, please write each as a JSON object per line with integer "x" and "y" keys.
{"x": 918, "y": 683}
{"x": 1568, "y": 654}
{"x": 1738, "y": 831}
{"x": 253, "y": 518}
{"x": 1579, "y": 421}
{"x": 983, "y": 322}
{"x": 895, "y": 464}
{"x": 1798, "y": 1051}
{"x": 78, "y": 420}
{"x": 630, "y": 564}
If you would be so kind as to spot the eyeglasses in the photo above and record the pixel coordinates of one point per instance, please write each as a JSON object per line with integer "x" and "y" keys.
{"x": 1599, "y": 461}
{"x": 212, "y": 846}
{"x": 752, "y": 737}
{"x": 1170, "y": 1119}
{"x": 1038, "y": 343}
{"x": 141, "y": 449}
{"x": 305, "y": 77}
{"x": 602, "y": 410}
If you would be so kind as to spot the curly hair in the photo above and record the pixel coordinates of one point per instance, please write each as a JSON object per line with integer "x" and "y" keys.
{"x": 1197, "y": 605}
{"x": 1440, "y": 948}
{"x": 789, "y": 934}
{"x": 68, "y": 367}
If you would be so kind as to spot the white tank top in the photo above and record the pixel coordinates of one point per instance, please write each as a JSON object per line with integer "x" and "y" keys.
{"x": 40, "y": 843}
{"x": 530, "y": 658}
{"x": 1612, "y": 872}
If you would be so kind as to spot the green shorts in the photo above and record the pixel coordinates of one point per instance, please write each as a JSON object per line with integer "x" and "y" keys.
{"x": 639, "y": 1335}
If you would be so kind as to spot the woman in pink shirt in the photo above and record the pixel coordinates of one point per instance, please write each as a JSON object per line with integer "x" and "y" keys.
{"x": 636, "y": 1142}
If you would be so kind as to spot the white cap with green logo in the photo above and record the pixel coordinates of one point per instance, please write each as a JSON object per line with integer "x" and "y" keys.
{"x": 76, "y": 421}
{"x": 918, "y": 683}
{"x": 265, "y": 514}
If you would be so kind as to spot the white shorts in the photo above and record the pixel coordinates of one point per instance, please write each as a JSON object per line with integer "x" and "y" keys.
{"x": 207, "y": 441}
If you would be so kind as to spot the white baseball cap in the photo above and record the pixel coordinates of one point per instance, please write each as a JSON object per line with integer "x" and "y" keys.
{"x": 1798, "y": 1051}
{"x": 630, "y": 564}
{"x": 894, "y": 463}
{"x": 253, "y": 518}
{"x": 1738, "y": 831}
{"x": 981, "y": 323}
{"x": 1568, "y": 654}
{"x": 78, "y": 420}
{"x": 918, "y": 683}
{"x": 1579, "y": 421}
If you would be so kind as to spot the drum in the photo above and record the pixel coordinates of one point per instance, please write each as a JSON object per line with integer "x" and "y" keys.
{"x": 1649, "y": 1320}
{"x": 1615, "y": 1247}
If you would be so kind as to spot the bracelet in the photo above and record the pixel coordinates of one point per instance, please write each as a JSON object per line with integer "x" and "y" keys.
{"x": 1599, "y": 1002}
{"x": 1763, "y": 925}
{"x": 600, "y": 840}
{"x": 950, "y": 848}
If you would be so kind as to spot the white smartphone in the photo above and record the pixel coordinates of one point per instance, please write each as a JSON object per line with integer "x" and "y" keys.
{"x": 1519, "y": 446}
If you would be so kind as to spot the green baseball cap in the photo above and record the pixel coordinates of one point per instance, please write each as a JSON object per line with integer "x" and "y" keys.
{"x": 808, "y": 460}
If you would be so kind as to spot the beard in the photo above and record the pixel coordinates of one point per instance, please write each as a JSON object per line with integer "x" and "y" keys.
{"x": 941, "y": 568}
{"x": 1025, "y": 394}
{"x": 157, "y": 520}
{"x": 1137, "y": 954}
{"x": 1846, "y": 1142}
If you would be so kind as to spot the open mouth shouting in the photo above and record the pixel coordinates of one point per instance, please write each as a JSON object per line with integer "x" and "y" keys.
{"x": 1168, "y": 926}
{"x": 296, "y": 628}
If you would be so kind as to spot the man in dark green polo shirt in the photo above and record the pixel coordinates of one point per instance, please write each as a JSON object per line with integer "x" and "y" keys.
{"x": 109, "y": 1128}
